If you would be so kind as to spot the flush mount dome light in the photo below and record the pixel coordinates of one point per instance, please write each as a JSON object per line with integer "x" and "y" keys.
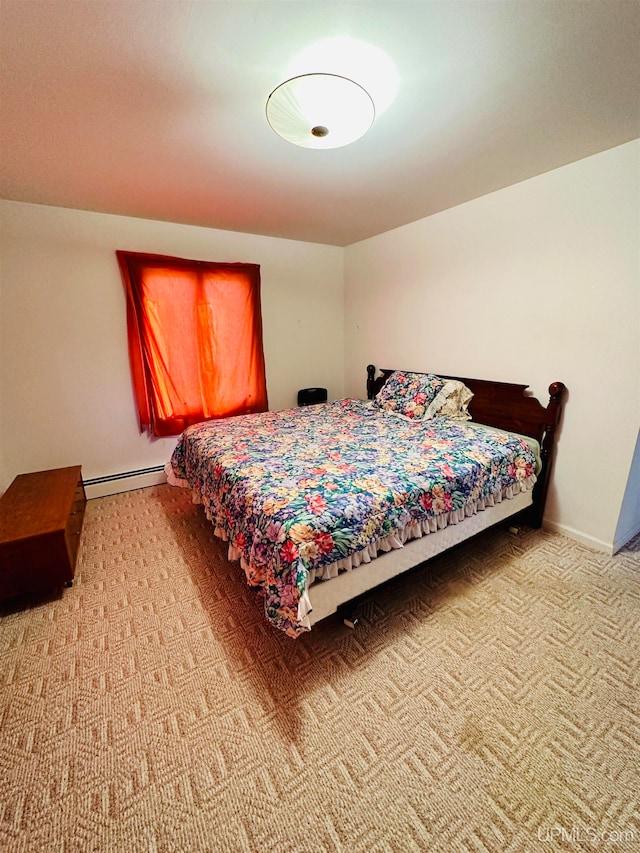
{"x": 320, "y": 111}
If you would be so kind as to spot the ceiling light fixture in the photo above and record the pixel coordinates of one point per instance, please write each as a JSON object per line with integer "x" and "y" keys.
{"x": 320, "y": 110}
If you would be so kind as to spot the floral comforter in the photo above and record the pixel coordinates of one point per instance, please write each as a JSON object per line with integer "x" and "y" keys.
{"x": 296, "y": 490}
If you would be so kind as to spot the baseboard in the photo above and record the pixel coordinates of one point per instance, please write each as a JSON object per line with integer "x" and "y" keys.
{"x": 578, "y": 536}
{"x": 112, "y": 484}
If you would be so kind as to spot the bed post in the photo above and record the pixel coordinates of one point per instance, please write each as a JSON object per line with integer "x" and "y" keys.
{"x": 547, "y": 451}
{"x": 371, "y": 372}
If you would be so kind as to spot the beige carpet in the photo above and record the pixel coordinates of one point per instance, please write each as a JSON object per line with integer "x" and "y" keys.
{"x": 487, "y": 702}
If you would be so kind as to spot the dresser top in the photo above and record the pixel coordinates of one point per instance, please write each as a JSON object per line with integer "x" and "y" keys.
{"x": 39, "y": 503}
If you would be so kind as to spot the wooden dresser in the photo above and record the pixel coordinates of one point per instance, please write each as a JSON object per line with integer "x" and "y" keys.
{"x": 41, "y": 518}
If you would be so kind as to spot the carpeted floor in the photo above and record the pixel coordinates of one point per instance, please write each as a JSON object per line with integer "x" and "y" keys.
{"x": 489, "y": 701}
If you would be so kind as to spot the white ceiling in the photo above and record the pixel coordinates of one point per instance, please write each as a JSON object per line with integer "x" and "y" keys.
{"x": 156, "y": 108}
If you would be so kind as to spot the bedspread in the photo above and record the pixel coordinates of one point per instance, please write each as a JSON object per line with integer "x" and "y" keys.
{"x": 298, "y": 490}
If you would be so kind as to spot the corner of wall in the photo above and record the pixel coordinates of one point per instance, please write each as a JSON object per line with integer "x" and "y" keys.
{"x": 629, "y": 519}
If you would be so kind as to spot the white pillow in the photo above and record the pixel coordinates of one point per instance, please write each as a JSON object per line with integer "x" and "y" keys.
{"x": 452, "y": 401}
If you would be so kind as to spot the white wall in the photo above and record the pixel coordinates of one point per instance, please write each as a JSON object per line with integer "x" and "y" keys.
{"x": 535, "y": 283}
{"x": 64, "y": 372}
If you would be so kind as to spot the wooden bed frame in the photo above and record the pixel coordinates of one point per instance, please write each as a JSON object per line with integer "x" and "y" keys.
{"x": 504, "y": 405}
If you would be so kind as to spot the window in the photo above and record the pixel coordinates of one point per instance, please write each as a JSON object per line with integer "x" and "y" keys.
{"x": 195, "y": 340}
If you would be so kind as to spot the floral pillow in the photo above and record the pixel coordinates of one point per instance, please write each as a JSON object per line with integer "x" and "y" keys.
{"x": 409, "y": 394}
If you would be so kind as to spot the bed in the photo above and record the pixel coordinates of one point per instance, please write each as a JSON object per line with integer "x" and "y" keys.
{"x": 320, "y": 504}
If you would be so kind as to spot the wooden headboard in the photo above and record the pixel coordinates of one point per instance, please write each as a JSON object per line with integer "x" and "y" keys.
{"x": 507, "y": 406}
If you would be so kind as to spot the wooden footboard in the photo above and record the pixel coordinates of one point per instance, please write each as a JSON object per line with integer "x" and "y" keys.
{"x": 508, "y": 406}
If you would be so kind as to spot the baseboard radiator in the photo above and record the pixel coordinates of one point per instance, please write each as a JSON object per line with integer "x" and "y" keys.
{"x": 99, "y": 487}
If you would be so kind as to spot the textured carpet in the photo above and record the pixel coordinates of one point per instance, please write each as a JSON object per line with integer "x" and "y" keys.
{"x": 488, "y": 701}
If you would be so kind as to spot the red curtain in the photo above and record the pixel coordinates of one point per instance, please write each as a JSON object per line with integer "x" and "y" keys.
{"x": 195, "y": 340}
